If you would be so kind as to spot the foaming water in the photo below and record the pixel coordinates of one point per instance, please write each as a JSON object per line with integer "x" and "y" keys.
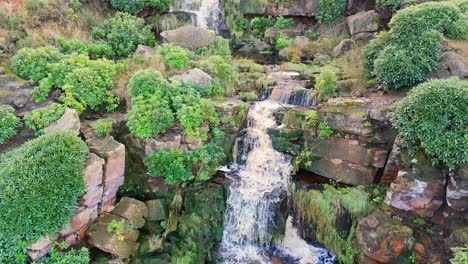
{"x": 258, "y": 189}
{"x": 206, "y": 12}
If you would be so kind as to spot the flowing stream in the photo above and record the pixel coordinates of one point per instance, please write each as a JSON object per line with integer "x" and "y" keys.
{"x": 205, "y": 13}
{"x": 258, "y": 190}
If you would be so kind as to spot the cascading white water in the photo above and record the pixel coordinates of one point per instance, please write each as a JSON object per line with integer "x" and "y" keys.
{"x": 254, "y": 196}
{"x": 206, "y": 12}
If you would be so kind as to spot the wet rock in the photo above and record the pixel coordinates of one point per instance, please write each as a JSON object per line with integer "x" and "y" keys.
{"x": 394, "y": 164}
{"x": 156, "y": 210}
{"x": 417, "y": 193}
{"x": 136, "y": 212}
{"x": 457, "y": 189}
{"x": 382, "y": 238}
{"x": 189, "y": 37}
{"x": 69, "y": 121}
{"x": 344, "y": 46}
{"x": 150, "y": 244}
{"x": 366, "y": 21}
{"x": 195, "y": 76}
{"x": 144, "y": 51}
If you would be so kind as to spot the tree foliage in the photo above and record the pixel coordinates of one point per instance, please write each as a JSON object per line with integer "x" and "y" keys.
{"x": 9, "y": 123}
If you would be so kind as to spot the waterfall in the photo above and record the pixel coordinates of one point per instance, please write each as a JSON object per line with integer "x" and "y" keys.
{"x": 258, "y": 189}
{"x": 203, "y": 13}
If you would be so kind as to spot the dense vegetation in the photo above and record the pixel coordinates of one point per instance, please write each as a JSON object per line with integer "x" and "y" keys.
{"x": 329, "y": 10}
{"x": 433, "y": 117}
{"x": 40, "y": 184}
{"x": 42, "y": 117}
{"x": 136, "y": 6}
{"x": 9, "y": 123}
{"x": 406, "y": 54}
{"x": 319, "y": 210}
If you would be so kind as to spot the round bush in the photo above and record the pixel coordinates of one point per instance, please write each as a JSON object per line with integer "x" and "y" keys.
{"x": 9, "y": 123}
{"x": 124, "y": 33}
{"x": 330, "y": 9}
{"x": 388, "y": 4}
{"x": 33, "y": 63}
{"x": 40, "y": 185}
{"x": 174, "y": 57}
{"x": 146, "y": 82}
{"x": 434, "y": 117}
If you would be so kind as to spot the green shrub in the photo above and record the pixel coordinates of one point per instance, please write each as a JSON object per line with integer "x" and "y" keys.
{"x": 406, "y": 54}
{"x": 433, "y": 117}
{"x": 324, "y": 130}
{"x": 242, "y": 24}
{"x": 312, "y": 118}
{"x": 460, "y": 255}
{"x": 124, "y": 32}
{"x": 388, "y": 4}
{"x": 71, "y": 257}
{"x": 174, "y": 57}
{"x": 136, "y": 6}
{"x": 324, "y": 85}
{"x": 330, "y": 9}
{"x": 33, "y": 63}
{"x": 9, "y": 123}
{"x": 221, "y": 70}
{"x": 40, "y": 185}
{"x": 195, "y": 115}
{"x": 42, "y": 117}
{"x": 248, "y": 96}
{"x": 95, "y": 49}
{"x": 399, "y": 66}
{"x": 177, "y": 167}
{"x": 282, "y": 23}
{"x": 221, "y": 48}
{"x": 146, "y": 82}
{"x": 284, "y": 42}
{"x": 103, "y": 127}
{"x": 261, "y": 24}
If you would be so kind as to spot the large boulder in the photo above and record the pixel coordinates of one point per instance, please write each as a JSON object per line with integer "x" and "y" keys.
{"x": 417, "y": 193}
{"x": 306, "y": 8}
{"x": 457, "y": 189}
{"x": 136, "y": 212}
{"x": 382, "y": 238}
{"x": 366, "y": 21}
{"x": 195, "y": 76}
{"x": 189, "y": 37}
{"x": 69, "y": 121}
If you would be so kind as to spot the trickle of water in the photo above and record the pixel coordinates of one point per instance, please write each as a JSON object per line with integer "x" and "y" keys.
{"x": 206, "y": 12}
{"x": 254, "y": 195}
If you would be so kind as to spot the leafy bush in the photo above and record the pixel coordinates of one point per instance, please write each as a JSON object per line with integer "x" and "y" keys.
{"x": 9, "y": 123}
{"x": 282, "y": 23}
{"x": 221, "y": 48}
{"x": 330, "y": 9}
{"x": 40, "y": 184}
{"x": 242, "y": 24}
{"x": 124, "y": 33}
{"x": 312, "y": 118}
{"x": 150, "y": 116}
{"x": 146, "y": 82}
{"x": 136, "y": 6}
{"x": 103, "y": 127}
{"x": 86, "y": 83}
{"x": 284, "y": 42}
{"x": 73, "y": 256}
{"x": 33, "y": 63}
{"x": 261, "y": 24}
{"x": 248, "y": 96}
{"x": 221, "y": 70}
{"x": 195, "y": 115}
{"x": 324, "y": 130}
{"x": 460, "y": 255}
{"x": 177, "y": 167}
{"x": 433, "y": 117}
{"x": 410, "y": 50}
{"x": 324, "y": 85}
{"x": 42, "y": 117}
{"x": 175, "y": 57}
{"x": 388, "y": 4}
{"x": 95, "y": 49}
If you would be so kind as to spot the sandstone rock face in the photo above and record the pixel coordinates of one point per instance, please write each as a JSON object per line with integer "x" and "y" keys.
{"x": 40, "y": 248}
{"x": 156, "y": 210}
{"x": 416, "y": 194}
{"x": 195, "y": 76}
{"x": 144, "y": 51}
{"x": 69, "y": 121}
{"x": 344, "y": 46}
{"x": 363, "y": 22}
{"x": 189, "y": 37}
{"x": 306, "y": 8}
{"x": 394, "y": 164}
{"x": 122, "y": 244}
{"x": 382, "y": 238}
{"x": 457, "y": 189}
{"x": 360, "y": 145}
{"x": 133, "y": 210}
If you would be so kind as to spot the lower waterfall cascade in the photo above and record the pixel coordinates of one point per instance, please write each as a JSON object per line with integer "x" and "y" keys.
{"x": 257, "y": 188}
